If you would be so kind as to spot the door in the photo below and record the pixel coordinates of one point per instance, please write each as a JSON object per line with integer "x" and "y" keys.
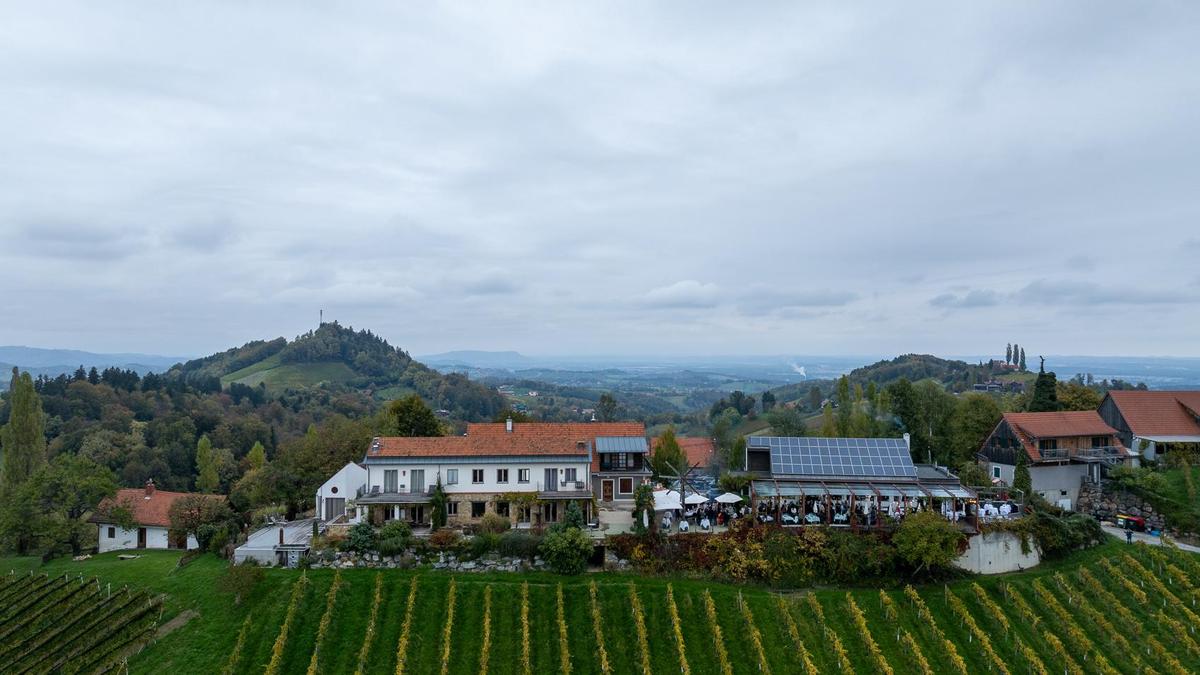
{"x": 334, "y": 507}
{"x": 606, "y": 490}
{"x": 418, "y": 481}
{"x": 551, "y": 480}
{"x": 141, "y": 537}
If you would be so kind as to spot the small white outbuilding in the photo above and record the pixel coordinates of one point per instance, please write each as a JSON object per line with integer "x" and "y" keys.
{"x": 335, "y": 493}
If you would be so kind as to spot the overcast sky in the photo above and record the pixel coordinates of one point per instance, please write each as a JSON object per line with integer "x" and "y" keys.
{"x": 577, "y": 178}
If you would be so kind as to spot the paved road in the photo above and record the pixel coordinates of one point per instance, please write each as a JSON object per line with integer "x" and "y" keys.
{"x": 1143, "y": 537}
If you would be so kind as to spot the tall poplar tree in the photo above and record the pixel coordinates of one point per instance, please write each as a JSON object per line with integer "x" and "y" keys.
{"x": 1016, "y": 351}
{"x": 23, "y": 439}
{"x": 1022, "y": 364}
{"x": 1008, "y": 353}
{"x": 206, "y": 466}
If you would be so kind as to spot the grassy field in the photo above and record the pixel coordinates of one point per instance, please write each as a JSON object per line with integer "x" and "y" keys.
{"x": 1117, "y": 608}
{"x": 276, "y": 375}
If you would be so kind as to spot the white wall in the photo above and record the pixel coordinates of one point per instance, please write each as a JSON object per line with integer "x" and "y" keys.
{"x": 1052, "y": 481}
{"x": 997, "y": 553}
{"x": 344, "y": 484}
{"x": 536, "y": 475}
{"x": 156, "y": 537}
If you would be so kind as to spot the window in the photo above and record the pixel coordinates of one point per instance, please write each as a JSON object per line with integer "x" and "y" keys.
{"x": 390, "y": 480}
{"x": 1048, "y": 444}
{"x": 571, "y": 475}
{"x": 501, "y": 475}
{"x": 502, "y": 509}
{"x": 478, "y": 509}
{"x": 333, "y": 490}
{"x": 1100, "y": 442}
{"x": 112, "y": 533}
{"x": 625, "y": 486}
{"x": 522, "y": 475}
{"x": 476, "y": 475}
{"x": 451, "y": 476}
{"x": 995, "y": 472}
{"x": 452, "y": 508}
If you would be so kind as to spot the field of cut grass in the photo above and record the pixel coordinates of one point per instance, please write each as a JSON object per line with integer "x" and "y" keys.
{"x": 1116, "y": 609}
{"x": 277, "y": 375}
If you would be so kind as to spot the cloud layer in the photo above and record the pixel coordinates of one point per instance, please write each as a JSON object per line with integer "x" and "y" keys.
{"x": 616, "y": 178}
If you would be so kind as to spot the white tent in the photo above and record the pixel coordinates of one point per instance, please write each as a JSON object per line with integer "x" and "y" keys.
{"x": 694, "y": 499}
{"x": 729, "y": 498}
{"x": 666, "y": 500}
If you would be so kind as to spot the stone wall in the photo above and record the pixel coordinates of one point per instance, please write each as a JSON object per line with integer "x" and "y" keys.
{"x": 997, "y": 553}
{"x": 1105, "y": 503}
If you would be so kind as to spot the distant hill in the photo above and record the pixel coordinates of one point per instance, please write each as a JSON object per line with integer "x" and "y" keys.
{"x": 55, "y": 362}
{"x": 478, "y": 359}
{"x": 333, "y": 356}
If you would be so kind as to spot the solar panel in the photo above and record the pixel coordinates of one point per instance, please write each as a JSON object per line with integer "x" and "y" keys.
{"x": 814, "y": 456}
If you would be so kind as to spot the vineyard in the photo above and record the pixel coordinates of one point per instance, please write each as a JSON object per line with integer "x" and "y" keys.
{"x": 1122, "y": 609}
{"x": 71, "y": 625}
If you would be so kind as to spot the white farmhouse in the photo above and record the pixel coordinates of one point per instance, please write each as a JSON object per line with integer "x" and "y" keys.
{"x": 150, "y": 509}
{"x": 340, "y": 491}
{"x": 527, "y": 472}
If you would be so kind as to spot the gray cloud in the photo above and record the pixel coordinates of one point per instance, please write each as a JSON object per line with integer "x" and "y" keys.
{"x": 1084, "y": 293}
{"x": 968, "y": 300}
{"x": 176, "y": 180}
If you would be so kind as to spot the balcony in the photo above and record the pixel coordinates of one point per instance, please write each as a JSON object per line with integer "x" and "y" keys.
{"x": 636, "y": 464}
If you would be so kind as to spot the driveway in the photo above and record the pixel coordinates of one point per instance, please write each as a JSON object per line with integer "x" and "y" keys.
{"x": 1145, "y": 538}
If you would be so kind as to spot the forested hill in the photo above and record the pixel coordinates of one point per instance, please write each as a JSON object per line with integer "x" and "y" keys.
{"x": 337, "y": 356}
{"x": 954, "y": 374}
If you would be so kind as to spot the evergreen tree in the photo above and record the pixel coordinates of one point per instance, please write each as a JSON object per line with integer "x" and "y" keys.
{"x": 1021, "y": 478}
{"x": 1022, "y": 364}
{"x": 814, "y": 398}
{"x": 606, "y": 409}
{"x": 93, "y": 376}
{"x": 23, "y": 439}
{"x": 257, "y": 457}
{"x": 80, "y": 374}
{"x": 206, "y": 466}
{"x": 1045, "y": 391}
{"x": 1016, "y": 353}
{"x": 668, "y": 459}
{"x": 1008, "y": 353}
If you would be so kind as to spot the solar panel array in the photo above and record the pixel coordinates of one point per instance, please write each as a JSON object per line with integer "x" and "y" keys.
{"x": 809, "y": 456}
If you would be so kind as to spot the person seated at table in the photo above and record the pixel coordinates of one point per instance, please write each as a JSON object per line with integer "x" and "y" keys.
{"x": 704, "y": 523}
{"x": 683, "y": 526}
{"x": 666, "y": 522}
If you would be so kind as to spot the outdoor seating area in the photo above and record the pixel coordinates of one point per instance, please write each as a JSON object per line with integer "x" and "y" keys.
{"x": 697, "y": 511}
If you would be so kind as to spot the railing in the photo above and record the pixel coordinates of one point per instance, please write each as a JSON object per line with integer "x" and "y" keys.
{"x": 575, "y": 484}
{"x": 1108, "y": 454}
{"x": 1055, "y": 453}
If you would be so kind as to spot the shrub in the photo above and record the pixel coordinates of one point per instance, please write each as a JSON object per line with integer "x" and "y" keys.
{"x": 443, "y": 539}
{"x": 482, "y": 544}
{"x": 493, "y": 523}
{"x": 927, "y": 541}
{"x": 391, "y": 545}
{"x": 517, "y": 544}
{"x": 567, "y": 550}
{"x": 361, "y": 538}
{"x": 395, "y": 529}
{"x": 240, "y": 580}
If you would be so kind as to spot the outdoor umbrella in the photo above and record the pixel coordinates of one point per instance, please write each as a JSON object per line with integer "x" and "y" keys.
{"x": 729, "y": 498}
{"x": 694, "y": 498}
{"x": 666, "y": 500}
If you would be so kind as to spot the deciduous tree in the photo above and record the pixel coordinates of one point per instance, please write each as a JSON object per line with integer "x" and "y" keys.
{"x": 668, "y": 459}
{"x": 606, "y": 409}
{"x": 410, "y": 416}
{"x": 927, "y": 541}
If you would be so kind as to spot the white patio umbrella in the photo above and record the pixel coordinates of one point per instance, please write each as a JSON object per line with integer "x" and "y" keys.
{"x": 694, "y": 499}
{"x": 728, "y": 498}
{"x": 666, "y": 500}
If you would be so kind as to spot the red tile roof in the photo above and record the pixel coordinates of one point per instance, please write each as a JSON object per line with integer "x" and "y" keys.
{"x": 697, "y": 450}
{"x": 152, "y": 512}
{"x": 1060, "y": 424}
{"x": 1032, "y": 427}
{"x": 526, "y": 438}
{"x": 1161, "y": 413}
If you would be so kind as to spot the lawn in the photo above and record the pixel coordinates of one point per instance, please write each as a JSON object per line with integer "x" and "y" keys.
{"x": 1118, "y": 607}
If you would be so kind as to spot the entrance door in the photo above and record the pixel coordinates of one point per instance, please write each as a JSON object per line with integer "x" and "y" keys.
{"x": 606, "y": 490}
{"x": 141, "y": 537}
{"x": 334, "y": 507}
{"x": 551, "y": 478}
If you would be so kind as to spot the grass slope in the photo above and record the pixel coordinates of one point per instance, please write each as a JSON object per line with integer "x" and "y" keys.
{"x": 1099, "y": 626}
{"x": 277, "y": 375}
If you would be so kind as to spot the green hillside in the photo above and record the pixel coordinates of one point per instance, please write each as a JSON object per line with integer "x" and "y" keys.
{"x": 336, "y": 356}
{"x": 1118, "y": 608}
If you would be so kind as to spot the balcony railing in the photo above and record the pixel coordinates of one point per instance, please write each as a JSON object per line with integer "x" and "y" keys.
{"x": 1101, "y": 454}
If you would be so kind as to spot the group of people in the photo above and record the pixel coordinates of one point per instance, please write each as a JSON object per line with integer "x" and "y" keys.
{"x": 704, "y": 516}
{"x": 869, "y": 512}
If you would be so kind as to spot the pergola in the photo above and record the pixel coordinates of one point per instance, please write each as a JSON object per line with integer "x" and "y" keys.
{"x": 854, "y": 490}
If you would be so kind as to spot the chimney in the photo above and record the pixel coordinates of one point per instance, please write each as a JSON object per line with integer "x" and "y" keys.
{"x": 508, "y": 426}
{"x": 907, "y": 441}
{"x": 281, "y": 536}
{"x": 149, "y": 488}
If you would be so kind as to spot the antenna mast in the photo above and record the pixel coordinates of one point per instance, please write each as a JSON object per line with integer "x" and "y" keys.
{"x": 321, "y": 321}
